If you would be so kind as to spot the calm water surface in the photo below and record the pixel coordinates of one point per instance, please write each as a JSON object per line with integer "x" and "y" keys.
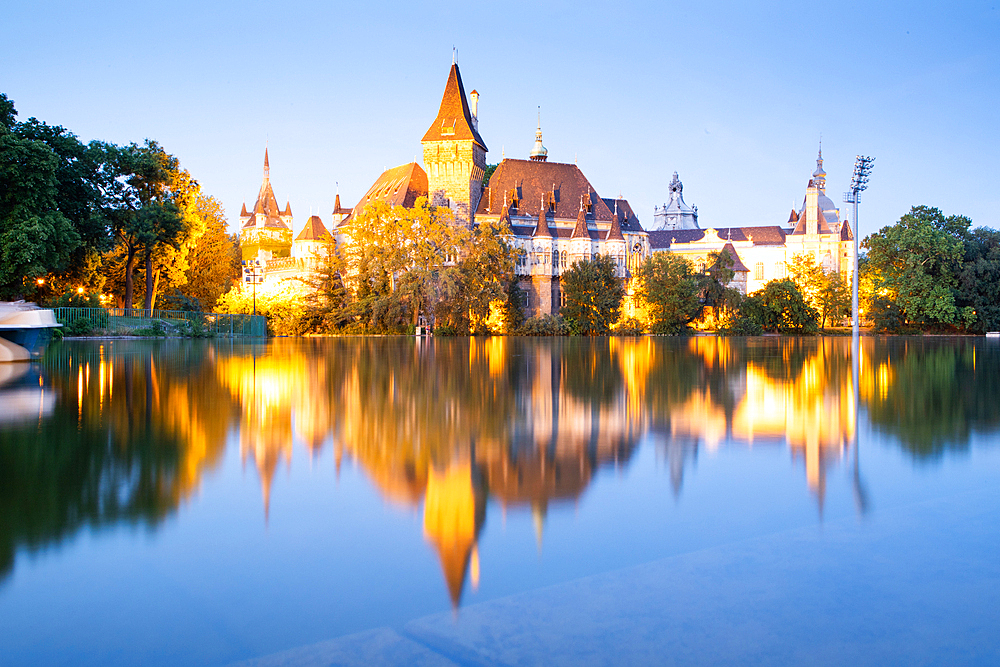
{"x": 189, "y": 502}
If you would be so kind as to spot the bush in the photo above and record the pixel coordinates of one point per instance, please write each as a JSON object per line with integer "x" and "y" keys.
{"x": 155, "y": 329}
{"x": 629, "y": 327}
{"x": 886, "y": 316}
{"x": 79, "y": 327}
{"x": 445, "y": 330}
{"x": 544, "y": 325}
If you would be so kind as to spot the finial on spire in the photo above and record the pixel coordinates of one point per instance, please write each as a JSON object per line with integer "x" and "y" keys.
{"x": 539, "y": 153}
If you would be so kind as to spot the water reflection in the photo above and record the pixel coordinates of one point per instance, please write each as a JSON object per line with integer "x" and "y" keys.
{"x": 124, "y": 432}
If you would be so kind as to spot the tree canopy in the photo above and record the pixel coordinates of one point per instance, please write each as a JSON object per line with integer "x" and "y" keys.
{"x": 593, "y": 296}
{"x": 669, "y": 288}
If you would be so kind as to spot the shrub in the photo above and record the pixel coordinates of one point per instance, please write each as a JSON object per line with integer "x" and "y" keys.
{"x": 78, "y": 327}
{"x": 544, "y": 325}
{"x": 445, "y": 330}
{"x": 629, "y": 327}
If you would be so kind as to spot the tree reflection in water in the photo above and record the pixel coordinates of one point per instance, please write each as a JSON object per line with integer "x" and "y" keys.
{"x": 128, "y": 429}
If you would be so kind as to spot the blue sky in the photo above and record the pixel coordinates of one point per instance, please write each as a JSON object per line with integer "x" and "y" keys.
{"x": 734, "y": 97}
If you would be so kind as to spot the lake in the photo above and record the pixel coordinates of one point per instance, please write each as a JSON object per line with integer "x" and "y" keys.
{"x": 502, "y": 501}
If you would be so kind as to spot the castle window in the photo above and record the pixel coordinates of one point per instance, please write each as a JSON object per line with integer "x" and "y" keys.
{"x": 779, "y": 269}
{"x": 563, "y": 259}
{"x": 555, "y": 258}
{"x": 758, "y": 271}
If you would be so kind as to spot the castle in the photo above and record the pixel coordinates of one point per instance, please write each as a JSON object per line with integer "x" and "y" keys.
{"x": 762, "y": 252}
{"x": 555, "y": 215}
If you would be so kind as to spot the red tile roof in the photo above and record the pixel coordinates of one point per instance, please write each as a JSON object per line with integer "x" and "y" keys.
{"x": 454, "y": 120}
{"x": 581, "y": 231}
{"x": 399, "y": 186}
{"x": 314, "y": 230}
{"x": 536, "y": 183}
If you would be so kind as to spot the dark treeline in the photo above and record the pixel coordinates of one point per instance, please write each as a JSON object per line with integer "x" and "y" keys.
{"x": 127, "y": 222}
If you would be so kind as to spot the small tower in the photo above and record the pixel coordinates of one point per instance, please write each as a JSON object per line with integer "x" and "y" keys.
{"x": 579, "y": 242}
{"x": 266, "y": 231}
{"x": 614, "y": 243}
{"x": 543, "y": 262}
{"x": 675, "y": 214}
{"x": 539, "y": 153}
{"x": 454, "y": 153}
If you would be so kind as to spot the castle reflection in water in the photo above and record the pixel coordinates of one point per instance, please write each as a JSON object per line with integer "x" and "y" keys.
{"x": 451, "y": 425}
{"x": 126, "y": 431}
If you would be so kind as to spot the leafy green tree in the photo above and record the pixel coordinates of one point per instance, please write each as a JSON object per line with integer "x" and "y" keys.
{"x": 979, "y": 278}
{"x": 144, "y": 193}
{"x": 824, "y": 289}
{"x": 784, "y": 309}
{"x": 480, "y": 279}
{"x": 397, "y": 261}
{"x": 593, "y": 294}
{"x": 915, "y": 263}
{"x": 670, "y": 289}
{"x": 36, "y": 237}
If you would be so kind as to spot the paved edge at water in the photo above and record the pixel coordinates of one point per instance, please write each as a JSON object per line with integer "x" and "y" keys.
{"x": 880, "y": 591}
{"x": 382, "y": 646}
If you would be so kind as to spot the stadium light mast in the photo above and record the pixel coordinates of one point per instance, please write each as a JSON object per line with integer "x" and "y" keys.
{"x": 859, "y": 183}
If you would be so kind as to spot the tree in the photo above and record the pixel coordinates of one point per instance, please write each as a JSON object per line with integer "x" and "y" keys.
{"x": 669, "y": 288}
{"x": 979, "y": 278}
{"x": 213, "y": 261}
{"x": 915, "y": 263}
{"x": 783, "y": 308}
{"x": 824, "y": 289}
{"x": 481, "y": 279}
{"x": 396, "y": 262}
{"x": 328, "y": 298}
{"x": 36, "y": 236}
{"x": 146, "y": 196}
{"x": 593, "y": 295}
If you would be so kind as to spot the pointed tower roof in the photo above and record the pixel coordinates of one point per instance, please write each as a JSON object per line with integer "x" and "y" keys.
{"x": 542, "y": 228}
{"x": 244, "y": 213}
{"x": 267, "y": 204}
{"x": 454, "y": 120}
{"x": 580, "y": 231}
{"x": 314, "y": 230}
{"x": 738, "y": 264}
{"x": 793, "y": 216}
{"x": 505, "y": 214}
{"x": 615, "y": 233}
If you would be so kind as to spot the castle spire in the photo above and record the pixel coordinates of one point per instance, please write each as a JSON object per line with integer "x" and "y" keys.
{"x": 267, "y": 166}
{"x": 454, "y": 118}
{"x": 539, "y": 153}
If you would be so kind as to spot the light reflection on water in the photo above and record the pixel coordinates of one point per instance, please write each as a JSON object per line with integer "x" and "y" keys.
{"x": 125, "y": 433}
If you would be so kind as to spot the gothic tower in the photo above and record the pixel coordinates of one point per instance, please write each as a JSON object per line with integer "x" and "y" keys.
{"x": 454, "y": 153}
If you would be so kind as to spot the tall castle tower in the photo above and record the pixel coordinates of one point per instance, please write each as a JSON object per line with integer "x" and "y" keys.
{"x": 454, "y": 153}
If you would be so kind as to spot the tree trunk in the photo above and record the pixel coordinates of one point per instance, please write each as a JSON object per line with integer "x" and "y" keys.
{"x": 129, "y": 269}
{"x": 156, "y": 288}
{"x": 148, "y": 301}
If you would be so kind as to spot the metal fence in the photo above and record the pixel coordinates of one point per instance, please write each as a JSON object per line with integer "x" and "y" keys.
{"x": 131, "y": 319}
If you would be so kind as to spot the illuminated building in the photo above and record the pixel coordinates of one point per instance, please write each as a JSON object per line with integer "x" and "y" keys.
{"x": 814, "y": 230}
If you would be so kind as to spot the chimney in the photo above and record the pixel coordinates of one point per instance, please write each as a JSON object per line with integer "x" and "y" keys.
{"x": 474, "y": 96}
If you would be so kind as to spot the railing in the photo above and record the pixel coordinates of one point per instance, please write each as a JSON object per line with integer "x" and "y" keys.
{"x": 115, "y": 319}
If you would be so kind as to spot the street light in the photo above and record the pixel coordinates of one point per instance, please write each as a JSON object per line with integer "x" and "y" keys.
{"x": 859, "y": 183}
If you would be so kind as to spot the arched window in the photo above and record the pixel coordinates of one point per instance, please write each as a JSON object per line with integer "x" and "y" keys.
{"x": 563, "y": 262}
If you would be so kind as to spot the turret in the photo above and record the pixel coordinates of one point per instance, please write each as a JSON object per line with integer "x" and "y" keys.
{"x": 454, "y": 153}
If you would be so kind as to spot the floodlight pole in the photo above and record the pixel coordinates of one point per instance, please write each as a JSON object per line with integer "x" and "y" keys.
{"x": 859, "y": 183}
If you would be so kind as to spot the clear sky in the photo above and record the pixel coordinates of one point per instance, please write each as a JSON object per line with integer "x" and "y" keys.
{"x": 733, "y": 96}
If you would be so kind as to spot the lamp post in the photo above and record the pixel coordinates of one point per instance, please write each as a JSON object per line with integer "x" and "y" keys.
{"x": 859, "y": 183}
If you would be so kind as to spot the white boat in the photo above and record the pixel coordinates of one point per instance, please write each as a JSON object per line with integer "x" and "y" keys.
{"x": 25, "y": 330}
